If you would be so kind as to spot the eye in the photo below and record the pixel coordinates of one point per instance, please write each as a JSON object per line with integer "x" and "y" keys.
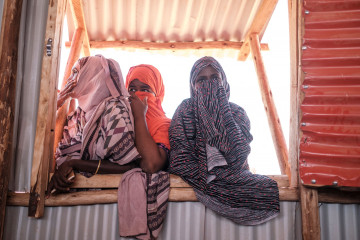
{"x": 132, "y": 90}
{"x": 145, "y": 90}
{"x": 75, "y": 71}
{"x": 217, "y": 78}
{"x": 200, "y": 80}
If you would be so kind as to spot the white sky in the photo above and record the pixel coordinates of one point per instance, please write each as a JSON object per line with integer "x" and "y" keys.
{"x": 175, "y": 70}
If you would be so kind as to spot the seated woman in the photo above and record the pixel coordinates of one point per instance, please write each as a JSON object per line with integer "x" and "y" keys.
{"x": 99, "y": 137}
{"x": 147, "y": 91}
{"x": 210, "y": 142}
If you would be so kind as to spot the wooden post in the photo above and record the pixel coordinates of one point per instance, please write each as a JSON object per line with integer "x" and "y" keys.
{"x": 309, "y": 213}
{"x": 10, "y": 28}
{"x": 79, "y": 20}
{"x": 62, "y": 112}
{"x": 295, "y": 77}
{"x": 43, "y": 150}
{"x": 270, "y": 108}
{"x": 258, "y": 25}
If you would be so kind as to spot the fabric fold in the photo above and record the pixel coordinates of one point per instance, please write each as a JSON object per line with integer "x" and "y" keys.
{"x": 142, "y": 203}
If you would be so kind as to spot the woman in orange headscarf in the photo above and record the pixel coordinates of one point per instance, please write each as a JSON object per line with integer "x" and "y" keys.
{"x": 146, "y": 88}
{"x": 151, "y": 126}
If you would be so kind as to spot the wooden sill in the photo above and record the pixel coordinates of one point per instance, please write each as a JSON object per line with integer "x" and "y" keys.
{"x": 179, "y": 191}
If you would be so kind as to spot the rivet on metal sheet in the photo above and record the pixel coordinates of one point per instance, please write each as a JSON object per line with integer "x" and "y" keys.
{"x": 335, "y": 183}
{"x": 306, "y": 86}
{"x": 303, "y": 124}
{"x": 307, "y": 11}
{"x": 304, "y": 47}
{"x": 313, "y": 181}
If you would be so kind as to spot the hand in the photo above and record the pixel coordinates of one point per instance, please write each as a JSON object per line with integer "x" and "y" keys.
{"x": 138, "y": 107}
{"x": 66, "y": 92}
{"x": 59, "y": 180}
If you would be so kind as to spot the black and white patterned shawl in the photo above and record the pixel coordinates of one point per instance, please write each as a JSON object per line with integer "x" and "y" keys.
{"x": 210, "y": 142}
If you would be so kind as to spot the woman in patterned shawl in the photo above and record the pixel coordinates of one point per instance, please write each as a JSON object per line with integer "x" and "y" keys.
{"x": 210, "y": 142}
{"x": 98, "y": 136}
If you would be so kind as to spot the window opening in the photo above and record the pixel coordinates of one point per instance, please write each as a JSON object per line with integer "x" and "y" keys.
{"x": 175, "y": 69}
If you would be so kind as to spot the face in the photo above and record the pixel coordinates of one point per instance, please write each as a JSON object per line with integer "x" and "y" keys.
{"x": 136, "y": 85}
{"x": 74, "y": 72}
{"x": 207, "y": 74}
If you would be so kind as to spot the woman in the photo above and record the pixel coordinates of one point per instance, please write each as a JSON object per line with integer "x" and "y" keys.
{"x": 98, "y": 136}
{"x": 210, "y": 141}
{"x": 147, "y": 91}
{"x": 146, "y": 88}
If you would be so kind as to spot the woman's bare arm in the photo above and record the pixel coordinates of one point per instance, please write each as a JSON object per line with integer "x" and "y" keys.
{"x": 60, "y": 182}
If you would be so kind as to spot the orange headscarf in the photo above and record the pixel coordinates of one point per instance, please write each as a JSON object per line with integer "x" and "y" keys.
{"x": 158, "y": 124}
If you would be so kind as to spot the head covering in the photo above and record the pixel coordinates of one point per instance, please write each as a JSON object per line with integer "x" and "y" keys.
{"x": 101, "y": 94}
{"x": 94, "y": 72}
{"x": 158, "y": 124}
{"x": 210, "y": 142}
{"x": 200, "y": 65}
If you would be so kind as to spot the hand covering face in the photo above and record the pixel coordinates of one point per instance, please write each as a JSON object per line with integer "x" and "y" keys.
{"x": 158, "y": 124}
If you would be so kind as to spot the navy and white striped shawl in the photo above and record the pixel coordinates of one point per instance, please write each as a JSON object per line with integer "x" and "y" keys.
{"x": 210, "y": 142}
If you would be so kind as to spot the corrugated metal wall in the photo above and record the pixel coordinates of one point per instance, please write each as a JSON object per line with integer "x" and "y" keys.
{"x": 31, "y": 40}
{"x": 187, "y": 220}
{"x": 330, "y": 146}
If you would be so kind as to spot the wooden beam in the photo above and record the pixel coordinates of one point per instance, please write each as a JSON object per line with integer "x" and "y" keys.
{"x": 43, "y": 150}
{"x": 62, "y": 112}
{"x": 295, "y": 77}
{"x": 270, "y": 108}
{"x": 182, "y": 194}
{"x": 113, "y": 180}
{"x": 173, "y": 46}
{"x": 10, "y": 27}
{"x": 258, "y": 25}
{"x": 79, "y": 20}
{"x": 309, "y": 213}
{"x": 176, "y": 195}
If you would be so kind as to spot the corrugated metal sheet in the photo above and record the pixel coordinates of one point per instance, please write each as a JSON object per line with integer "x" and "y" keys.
{"x": 282, "y": 227}
{"x": 30, "y": 51}
{"x": 339, "y": 221}
{"x": 186, "y": 220}
{"x": 1, "y": 10}
{"x": 330, "y": 145}
{"x": 167, "y": 21}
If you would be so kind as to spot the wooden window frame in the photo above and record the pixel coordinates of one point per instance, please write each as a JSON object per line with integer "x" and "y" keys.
{"x": 47, "y": 130}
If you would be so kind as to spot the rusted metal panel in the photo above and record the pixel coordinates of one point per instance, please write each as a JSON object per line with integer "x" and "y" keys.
{"x": 330, "y": 143}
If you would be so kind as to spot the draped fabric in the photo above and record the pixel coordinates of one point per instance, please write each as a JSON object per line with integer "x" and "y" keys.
{"x": 210, "y": 142}
{"x": 102, "y": 126}
{"x": 142, "y": 193}
{"x": 158, "y": 124}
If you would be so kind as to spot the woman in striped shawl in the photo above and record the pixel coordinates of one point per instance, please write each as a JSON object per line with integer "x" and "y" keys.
{"x": 210, "y": 142}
